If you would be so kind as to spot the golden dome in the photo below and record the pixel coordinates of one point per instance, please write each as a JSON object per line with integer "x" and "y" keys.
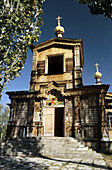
{"x": 59, "y": 30}
{"x": 97, "y": 75}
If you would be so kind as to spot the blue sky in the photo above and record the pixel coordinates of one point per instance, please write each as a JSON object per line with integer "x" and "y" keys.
{"x": 78, "y": 22}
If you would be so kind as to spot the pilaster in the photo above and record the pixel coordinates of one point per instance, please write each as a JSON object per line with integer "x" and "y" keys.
{"x": 77, "y": 66}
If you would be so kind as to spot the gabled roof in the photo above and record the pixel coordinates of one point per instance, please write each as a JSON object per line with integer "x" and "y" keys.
{"x": 69, "y": 42}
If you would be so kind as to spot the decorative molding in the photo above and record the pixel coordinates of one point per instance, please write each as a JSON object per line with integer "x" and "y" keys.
{"x": 54, "y": 86}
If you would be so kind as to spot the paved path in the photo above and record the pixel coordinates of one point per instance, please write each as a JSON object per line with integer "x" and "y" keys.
{"x": 45, "y": 163}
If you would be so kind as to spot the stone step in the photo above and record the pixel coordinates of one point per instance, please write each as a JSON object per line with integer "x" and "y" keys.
{"x": 53, "y": 154}
{"x": 46, "y": 146}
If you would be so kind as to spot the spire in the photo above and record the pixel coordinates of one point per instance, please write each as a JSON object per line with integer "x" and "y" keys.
{"x": 59, "y": 30}
{"x": 97, "y": 75}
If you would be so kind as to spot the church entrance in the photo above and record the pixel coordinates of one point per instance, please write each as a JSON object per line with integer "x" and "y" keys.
{"x": 59, "y": 122}
{"x": 53, "y": 115}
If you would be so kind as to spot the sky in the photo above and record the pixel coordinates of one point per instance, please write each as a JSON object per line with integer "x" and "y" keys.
{"x": 79, "y": 23}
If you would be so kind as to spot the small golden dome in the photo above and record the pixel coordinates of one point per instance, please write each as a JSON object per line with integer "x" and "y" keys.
{"x": 59, "y": 30}
{"x": 97, "y": 75}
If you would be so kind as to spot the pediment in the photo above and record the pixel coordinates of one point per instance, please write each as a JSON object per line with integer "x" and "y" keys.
{"x": 53, "y": 83}
{"x": 54, "y": 86}
{"x": 57, "y": 41}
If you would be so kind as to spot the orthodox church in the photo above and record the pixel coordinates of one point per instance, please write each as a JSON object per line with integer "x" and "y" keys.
{"x": 58, "y": 104}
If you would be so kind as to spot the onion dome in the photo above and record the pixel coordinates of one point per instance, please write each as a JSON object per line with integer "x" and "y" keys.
{"x": 97, "y": 75}
{"x": 59, "y": 30}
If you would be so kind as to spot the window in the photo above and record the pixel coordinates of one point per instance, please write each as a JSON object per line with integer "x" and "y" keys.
{"x": 109, "y": 119}
{"x": 55, "y": 64}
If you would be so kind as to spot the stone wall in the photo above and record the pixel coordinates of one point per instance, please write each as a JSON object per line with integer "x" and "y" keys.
{"x": 21, "y": 118}
{"x": 89, "y": 117}
{"x": 106, "y": 147}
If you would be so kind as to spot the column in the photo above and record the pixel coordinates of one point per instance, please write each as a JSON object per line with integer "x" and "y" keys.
{"x": 34, "y": 70}
{"x": 46, "y": 65}
{"x": 34, "y": 63}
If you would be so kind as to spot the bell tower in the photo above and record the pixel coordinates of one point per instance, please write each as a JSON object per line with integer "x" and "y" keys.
{"x": 58, "y": 59}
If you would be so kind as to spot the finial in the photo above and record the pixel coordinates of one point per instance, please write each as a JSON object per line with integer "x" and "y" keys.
{"x": 97, "y": 66}
{"x": 59, "y": 20}
{"x": 97, "y": 75}
{"x": 59, "y": 30}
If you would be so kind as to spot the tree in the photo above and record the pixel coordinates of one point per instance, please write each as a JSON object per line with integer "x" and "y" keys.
{"x": 4, "y": 117}
{"x": 20, "y": 26}
{"x": 103, "y": 7}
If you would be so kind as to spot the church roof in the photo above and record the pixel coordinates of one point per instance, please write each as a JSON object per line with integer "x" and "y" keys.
{"x": 26, "y": 94}
{"x": 64, "y": 41}
{"x": 86, "y": 90}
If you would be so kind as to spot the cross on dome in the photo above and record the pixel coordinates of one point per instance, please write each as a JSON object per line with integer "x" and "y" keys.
{"x": 59, "y": 20}
{"x": 97, "y": 66}
{"x": 59, "y": 30}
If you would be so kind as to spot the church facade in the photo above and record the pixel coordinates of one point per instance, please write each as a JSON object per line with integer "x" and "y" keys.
{"x": 58, "y": 104}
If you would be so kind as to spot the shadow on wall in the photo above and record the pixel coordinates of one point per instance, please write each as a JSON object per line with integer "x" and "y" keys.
{"x": 106, "y": 147}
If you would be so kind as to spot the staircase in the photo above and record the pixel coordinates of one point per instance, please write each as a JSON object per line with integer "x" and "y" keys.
{"x": 60, "y": 147}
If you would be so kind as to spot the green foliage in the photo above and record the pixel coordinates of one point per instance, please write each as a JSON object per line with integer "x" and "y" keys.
{"x": 4, "y": 117}
{"x": 20, "y": 26}
{"x": 103, "y": 7}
